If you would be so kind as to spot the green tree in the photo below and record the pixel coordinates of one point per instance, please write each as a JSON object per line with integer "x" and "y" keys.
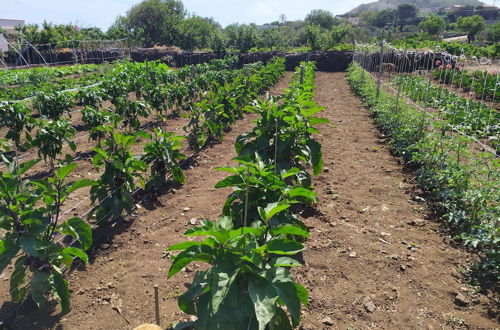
{"x": 323, "y": 18}
{"x": 313, "y": 35}
{"x": 156, "y": 21}
{"x": 338, "y": 34}
{"x": 378, "y": 19}
{"x": 493, "y": 33}
{"x": 406, "y": 14}
{"x": 241, "y": 37}
{"x": 271, "y": 38}
{"x": 471, "y": 25}
{"x": 433, "y": 25}
{"x": 196, "y": 32}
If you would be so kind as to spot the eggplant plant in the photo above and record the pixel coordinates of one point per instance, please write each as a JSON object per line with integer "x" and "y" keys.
{"x": 131, "y": 111}
{"x": 30, "y": 212}
{"x": 248, "y": 284}
{"x": 91, "y": 97}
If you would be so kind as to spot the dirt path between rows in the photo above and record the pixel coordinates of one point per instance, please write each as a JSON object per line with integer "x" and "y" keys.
{"x": 365, "y": 266}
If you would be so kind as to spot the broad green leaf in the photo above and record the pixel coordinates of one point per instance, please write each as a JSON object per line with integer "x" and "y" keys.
{"x": 316, "y": 156}
{"x": 8, "y": 250}
{"x": 289, "y": 230}
{"x": 302, "y": 192}
{"x": 17, "y": 279}
{"x": 63, "y": 172}
{"x": 280, "y": 320}
{"x": 287, "y": 292}
{"x": 39, "y": 286}
{"x": 284, "y": 262}
{"x": 284, "y": 247}
{"x": 193, "y": 253}
{"x": 221, "y": 283}
{"x": 76, "y": 252}
{"x": 184, "y": 245}
{"x": 264, "y": 298}
{"x": 61, "y": 289}
{"x": 228, "y": 169}
{"x": 31, "y": 245}
{"x": 230, "y": 181}
{"x": 79, "y": 230}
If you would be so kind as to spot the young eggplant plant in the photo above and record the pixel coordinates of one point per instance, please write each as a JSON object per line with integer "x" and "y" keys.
{"x": 249, "y": 283}
{"x": 30, "y": 213}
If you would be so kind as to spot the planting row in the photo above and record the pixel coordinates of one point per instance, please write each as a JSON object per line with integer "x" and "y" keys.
{"x": 31, "y": 209}
{"x": 259, "y": 235}
{"x": 155, "y": 86}
{"x": 471, "y": 117}
{"x": 463, "y": 186}
{"x": 485, "y": 86}
{"x": 35, "y": 76}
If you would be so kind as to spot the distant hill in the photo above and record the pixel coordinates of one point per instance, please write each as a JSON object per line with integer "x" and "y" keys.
{"x": 393, "y": 4}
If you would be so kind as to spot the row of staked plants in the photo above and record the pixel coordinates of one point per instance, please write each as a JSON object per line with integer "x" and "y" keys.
{"x": 484, "y": 84}
{"x": 259, "y": 236}
{"x": 35, "y": 76}
{"x": 28, "y": 83}
{"x": 463, "y": 185}
{"x": 31, "y": 210}
{"x": 471, "y": 117}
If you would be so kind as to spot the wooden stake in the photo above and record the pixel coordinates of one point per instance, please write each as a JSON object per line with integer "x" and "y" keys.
{"x": 157, "y": 305}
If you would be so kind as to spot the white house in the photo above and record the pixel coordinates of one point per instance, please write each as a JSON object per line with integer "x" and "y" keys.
{"x": 4, "y": 46}
{"x": 9, "y": 25}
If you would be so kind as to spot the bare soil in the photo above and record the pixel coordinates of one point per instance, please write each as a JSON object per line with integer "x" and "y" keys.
{"x": 375, "y": 258}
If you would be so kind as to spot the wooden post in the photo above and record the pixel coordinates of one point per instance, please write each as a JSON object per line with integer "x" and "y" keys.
{"x": 381, "y": 60}
{"x": 157, "y": 305}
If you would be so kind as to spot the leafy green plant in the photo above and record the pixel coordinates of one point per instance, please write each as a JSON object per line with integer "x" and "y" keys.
{"x": 94, "y": 119}
{"x": 53, "y": 105}
{"x": 90, "y": 97}
{"x": 51, "y": 136}
{"x": 31, "y": 215}
{"x": 112, "y": 194}
{"x": 248, "y": 283}
{"x": 163, "y": 153}
{"x": 131, "y": 111}
{"x": 16, "y": 118}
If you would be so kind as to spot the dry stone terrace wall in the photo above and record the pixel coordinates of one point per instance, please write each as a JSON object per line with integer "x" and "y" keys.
{"x": 331, "y": 61}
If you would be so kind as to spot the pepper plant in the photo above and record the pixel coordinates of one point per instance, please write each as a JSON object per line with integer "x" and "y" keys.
{"x": 112, "y": 193}
{"x": 164, "y": 154}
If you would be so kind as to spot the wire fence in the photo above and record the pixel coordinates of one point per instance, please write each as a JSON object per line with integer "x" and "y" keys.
{"x": 23, "y": 54}
{"x": 462, "y": 92}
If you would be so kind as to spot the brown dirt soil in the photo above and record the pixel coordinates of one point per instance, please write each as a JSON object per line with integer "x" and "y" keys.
{"x": 365, "y": 266}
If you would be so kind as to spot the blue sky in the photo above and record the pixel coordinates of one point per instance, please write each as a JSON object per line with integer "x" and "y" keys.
{"x": 103, "y": 12}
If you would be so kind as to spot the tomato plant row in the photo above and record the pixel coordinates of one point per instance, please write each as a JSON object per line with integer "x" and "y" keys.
{"x": 471, "y": 117}
{"x": 259, "y": 234}
{"x": 485, "y": 85}
{"x": 35, "y": 76}
{"x": 464, "y": 186}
